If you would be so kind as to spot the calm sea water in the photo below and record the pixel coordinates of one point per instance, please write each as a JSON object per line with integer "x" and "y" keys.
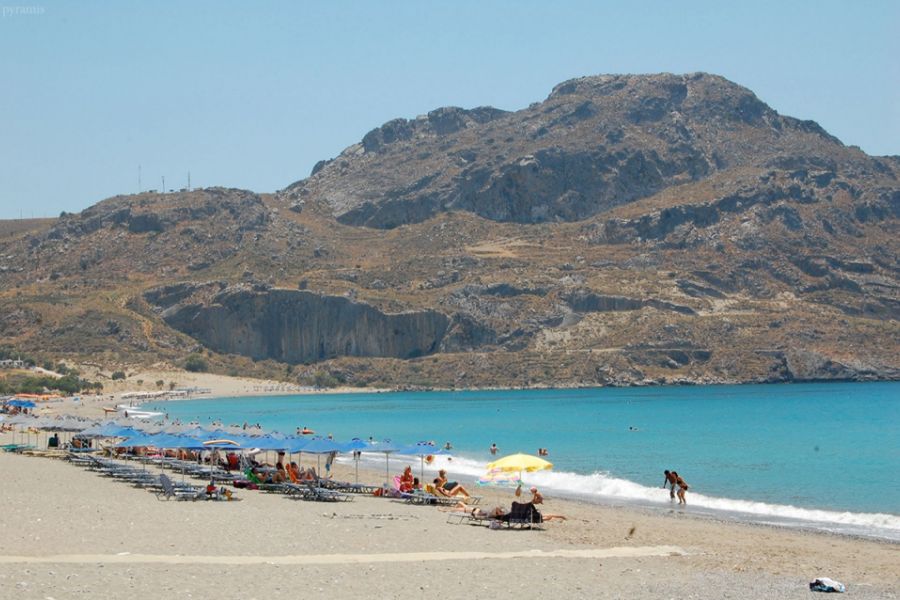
{"x": 820, "y": 455}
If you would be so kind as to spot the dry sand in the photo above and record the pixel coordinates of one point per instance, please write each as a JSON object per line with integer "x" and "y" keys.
{"x": 70, "y": 533}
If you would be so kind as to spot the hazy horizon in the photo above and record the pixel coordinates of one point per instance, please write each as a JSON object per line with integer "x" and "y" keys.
{"x": 252, "y": 96}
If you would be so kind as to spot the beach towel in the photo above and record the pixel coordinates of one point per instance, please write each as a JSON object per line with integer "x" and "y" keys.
{"x": 825, "y": 584}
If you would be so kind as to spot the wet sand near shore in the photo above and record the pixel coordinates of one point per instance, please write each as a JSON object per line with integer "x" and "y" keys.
{"x": 68, "y": 532}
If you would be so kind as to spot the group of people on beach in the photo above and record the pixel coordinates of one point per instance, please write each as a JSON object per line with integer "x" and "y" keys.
{"x": 441, "y": 486}
{"x": 673, "y": 480}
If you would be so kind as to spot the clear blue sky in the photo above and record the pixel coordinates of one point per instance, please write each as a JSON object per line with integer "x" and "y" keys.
{"x": 252, "y": 94}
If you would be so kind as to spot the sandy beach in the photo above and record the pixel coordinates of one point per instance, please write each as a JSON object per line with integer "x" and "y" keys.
{"x": 71, "y": 533}
{"x": 213, "y": 384}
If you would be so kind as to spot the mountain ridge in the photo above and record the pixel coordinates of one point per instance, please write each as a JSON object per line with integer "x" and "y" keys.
{"x": 626, "y": 230}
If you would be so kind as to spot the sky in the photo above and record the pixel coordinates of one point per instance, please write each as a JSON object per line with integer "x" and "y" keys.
{"x": 253, "y": 94}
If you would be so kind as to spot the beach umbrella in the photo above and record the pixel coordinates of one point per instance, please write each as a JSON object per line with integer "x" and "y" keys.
{"x": 352, "y": 446}
{"x": 320, "y": 446}
{"x": 518, "y": 463}
{"x": 500, "y": 478}
{"x": 388, "y": 448}
{"x": 215, "y": 445}
{"x": 295, "y": 444}
{"x": 423, "y": 449}
{"x": 22, "y": 403}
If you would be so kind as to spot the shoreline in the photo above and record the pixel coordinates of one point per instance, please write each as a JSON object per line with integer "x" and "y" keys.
{"x": 226, "y": 386}
{"x": 248, "y": 388}
{"x": 720, "y": 515}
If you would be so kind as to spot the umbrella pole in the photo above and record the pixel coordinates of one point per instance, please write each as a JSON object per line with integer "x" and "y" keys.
{"x": 356, "y": 459}
{"x": 387, "y": 468}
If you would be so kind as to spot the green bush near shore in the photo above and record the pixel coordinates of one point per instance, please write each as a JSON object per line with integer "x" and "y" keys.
{"x": 69, "y": 384}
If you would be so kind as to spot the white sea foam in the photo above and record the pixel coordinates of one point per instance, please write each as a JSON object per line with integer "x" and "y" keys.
{"x": 601, "y": 486}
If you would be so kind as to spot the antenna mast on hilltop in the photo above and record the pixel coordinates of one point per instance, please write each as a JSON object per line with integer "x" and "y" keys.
{"x": 139, "y": 179}
{"x": 164, "y": 184}
{"x": 189, "y": 181}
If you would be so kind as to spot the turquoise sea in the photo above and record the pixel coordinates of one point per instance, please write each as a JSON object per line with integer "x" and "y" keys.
{"x": 825, "y": 456}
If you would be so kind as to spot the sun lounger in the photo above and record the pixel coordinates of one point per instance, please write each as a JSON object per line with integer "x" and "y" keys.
{"x": 16, "y": 447}
{"x": 428, "y": 496}
{"x": 471, "y": 517}
{"x": 169, "y": 491}
{"x": 305, "y": 490}
{"x": 347, "y": 487}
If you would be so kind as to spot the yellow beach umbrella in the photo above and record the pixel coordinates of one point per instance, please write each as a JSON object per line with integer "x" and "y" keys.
{"x": 519, "y": 463}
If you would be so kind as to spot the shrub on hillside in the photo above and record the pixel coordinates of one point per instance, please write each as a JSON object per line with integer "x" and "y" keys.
{"x": 195, "y": 364}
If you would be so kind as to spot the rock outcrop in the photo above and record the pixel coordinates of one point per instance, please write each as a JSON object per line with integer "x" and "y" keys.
{"x": 595, "y": 143}
{"x": 295, "y": 326}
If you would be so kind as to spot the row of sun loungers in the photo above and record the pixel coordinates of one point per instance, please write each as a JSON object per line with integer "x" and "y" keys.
{"x": 161, "y": 484}
{"x": 133, "y": 470}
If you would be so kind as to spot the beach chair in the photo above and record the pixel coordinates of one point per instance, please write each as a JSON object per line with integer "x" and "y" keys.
{"x": 305, "y": 490}
{"x": 522, "y": 515}
{"x": 430, "y": 496}
{"x": 169, "y": 491}
{"x": 473, "y": 516}
{"x": 347, "y": 487}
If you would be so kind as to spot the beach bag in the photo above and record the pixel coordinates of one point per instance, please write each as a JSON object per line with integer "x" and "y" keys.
{"x": 825, "y": 584}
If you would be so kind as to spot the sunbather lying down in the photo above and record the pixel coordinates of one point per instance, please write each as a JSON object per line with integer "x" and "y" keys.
{"x": 476, "y": 511}
{"x": 498, "y": 512}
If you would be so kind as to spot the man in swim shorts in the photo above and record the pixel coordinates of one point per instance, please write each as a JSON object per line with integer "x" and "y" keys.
{"x": 671, "y": 480}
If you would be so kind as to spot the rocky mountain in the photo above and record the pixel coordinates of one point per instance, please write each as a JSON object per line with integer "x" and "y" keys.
{"x": 628, "y": 229}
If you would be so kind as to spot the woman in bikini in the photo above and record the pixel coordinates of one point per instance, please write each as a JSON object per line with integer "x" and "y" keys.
{"x": 682, "y": 488}
{"x": 448, "y": 488}
{"x": 407, "y": 480}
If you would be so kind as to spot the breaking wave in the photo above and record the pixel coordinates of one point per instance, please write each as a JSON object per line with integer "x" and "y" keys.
{"x": 602, "y": 487}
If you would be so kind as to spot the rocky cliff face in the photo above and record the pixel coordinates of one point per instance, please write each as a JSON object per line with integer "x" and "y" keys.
{"x": 295, "y": 326}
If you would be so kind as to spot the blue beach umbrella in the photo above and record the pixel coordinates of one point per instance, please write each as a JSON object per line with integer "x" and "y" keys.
{"x": 352, "y": 446}
{"x": 423, "y": 449}
{"x": 320, "y": 446}
{"x": 387, "y": 447}
{"x": 137, "y": 439}
{"x": 22, "y": 403}
{"x": 295, "y": 444}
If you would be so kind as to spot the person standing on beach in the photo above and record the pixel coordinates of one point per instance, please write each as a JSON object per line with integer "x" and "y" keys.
{"x": 682, "y": 488}
{"x": 671, "y": 480}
